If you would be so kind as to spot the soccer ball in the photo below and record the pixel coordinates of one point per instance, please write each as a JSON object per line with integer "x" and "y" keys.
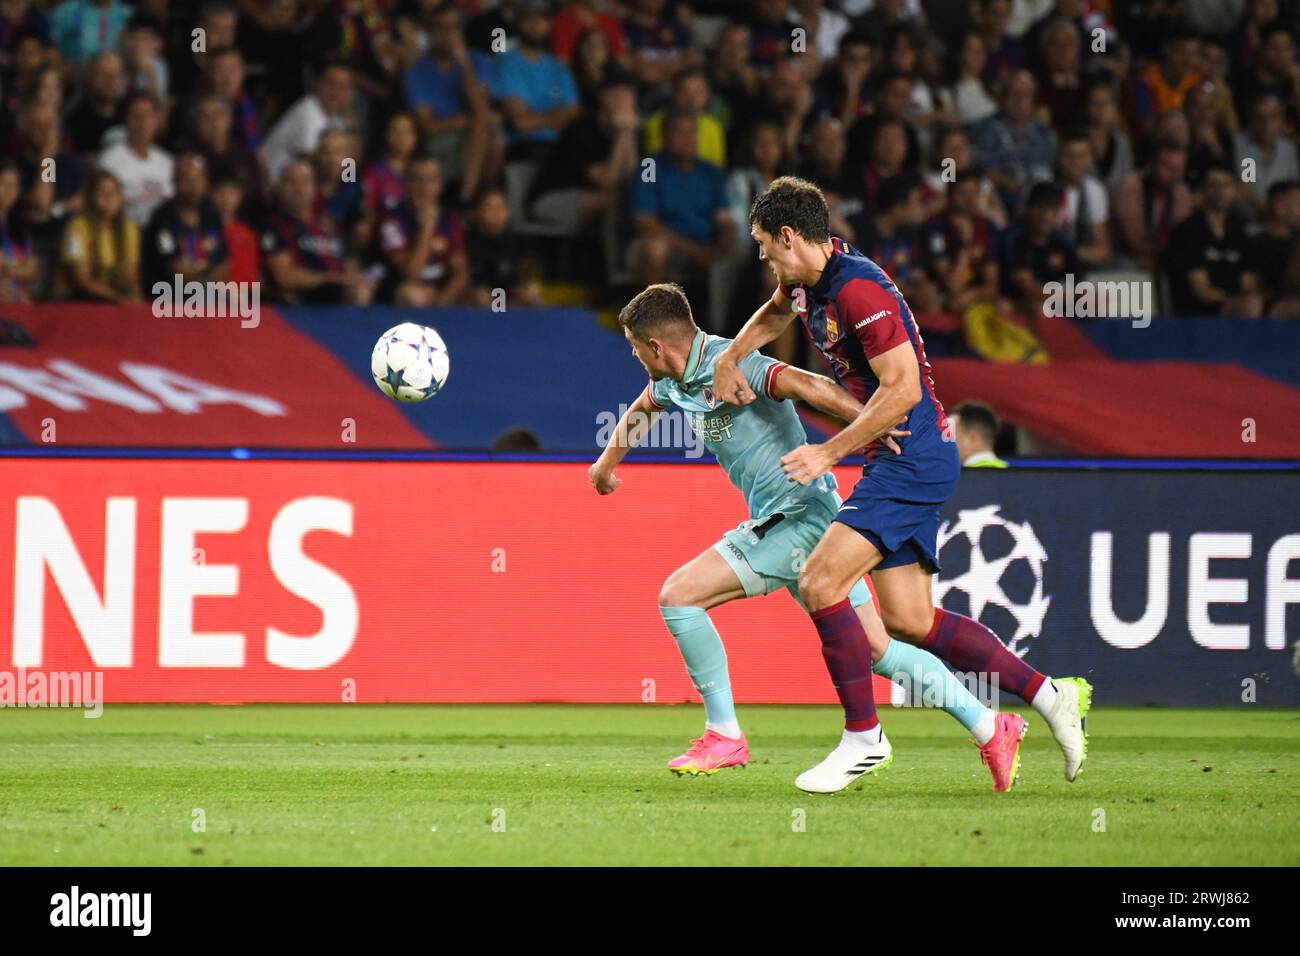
{"x": 410, "y": 362}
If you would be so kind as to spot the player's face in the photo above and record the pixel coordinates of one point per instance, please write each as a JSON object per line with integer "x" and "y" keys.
{"x": 650, "y": 354}
{"x": 776, "y": 251}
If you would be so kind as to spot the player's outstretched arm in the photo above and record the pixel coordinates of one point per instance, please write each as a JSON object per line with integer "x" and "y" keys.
{"x": 900, "y": 389}
{"x": 766, "y": 324}
{"x": 631, "y": 428}
{"x": 825, "y": 395}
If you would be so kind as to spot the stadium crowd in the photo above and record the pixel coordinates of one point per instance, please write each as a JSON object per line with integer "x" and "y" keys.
{"x": 423, "y": 152}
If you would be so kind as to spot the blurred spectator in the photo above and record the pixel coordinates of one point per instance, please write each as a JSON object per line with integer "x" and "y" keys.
{"x": 1274, "y": 71}
{"x": 1207, "y": 262}
{"x": 1272, "y": 153}
{"x": 144, "y": 171}
{"x": 736, "y": 82}
{"x": 1275, "y": 251}
{"x": 658, "y": 45}
{"x": 28, "y": 74}
{"x": 844, "y": 90}
{"x": 213, "y": 137}
{"x": 789, "y": 99}
{"x": 536, "y": 90}
{"x": 18, "y": 266}
{"x": 578, "y": 17}
{"x": 889, "y": 159}
{"x": 1150, "y": 202}
{"x": 451, "y": 105}
{"x": 245, "y": 255}
{"x": 584, "y": 176}
{"x": 336, "y": 162}
{"x": 594, "y": 68}
{"x": 304, "y": 253}
{"x": 1162, "y": 85}
{"x": 975, "y": 428}
{"x": 185, "y": 236}
{"x": 826, "y": 165}
{"x": 360, "y": 35}
{"x": 226, "y": 79}
{"x": 41, "y": 156}
{"x": 966, "y": 96}
{"x": 771, "y": 32}
{"x": 767, "y": 160}
{"x": 1062, "y": 82}
{"x": 142, "y": 49}
{"x": 951, "y": 161}
{"x": 21, "y": 18}
{"x": 218, "y": 22}
{"x": 100, "y": 250}
{"x": 1085, "y": 207}
{"x": 82, "y": 28}
{"x": 879, "y": 17}
{"x": 422, "y": 244}
{"x": 1015, "y": 146}
{"x": 1112, "y": 149}
{"x": 906, "y": 56}
{"x": 384, "y": 184}
{"x": 1035, "y": 252}
{"x": 891, "y": 238}
{"x": 691, "y": 94}
{"x": 1005, "y": 52}
{"x": 959, "y": 249}
{"x": 825, "y": 26}
{"x": 1210, "y": 143}
{"x": 331, "y": 106}
{"x": 681, "y": 213}
{"x": 495, "y": 257}
{"x": 892, "y": 104}
{"x": 101, "y": 105}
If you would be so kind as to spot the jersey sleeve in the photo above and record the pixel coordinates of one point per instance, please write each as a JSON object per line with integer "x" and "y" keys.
{"x": 658, "y": 392}
{"x": 761, "y": 372}
{"x": 873, "y": 314}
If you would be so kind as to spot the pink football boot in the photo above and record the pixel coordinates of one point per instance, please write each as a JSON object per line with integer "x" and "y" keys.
{"x": 710, "y": 753}
{"x": 1002, "y": 754}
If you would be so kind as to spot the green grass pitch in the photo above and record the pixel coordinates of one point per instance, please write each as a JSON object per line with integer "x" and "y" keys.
{"x": 568, "y": 784}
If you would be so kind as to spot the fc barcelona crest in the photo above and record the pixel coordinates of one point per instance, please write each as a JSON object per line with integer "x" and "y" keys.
{"x": 832, "y": 328}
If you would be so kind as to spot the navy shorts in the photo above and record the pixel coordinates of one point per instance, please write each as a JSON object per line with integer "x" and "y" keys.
{"x": 895, "y": 505}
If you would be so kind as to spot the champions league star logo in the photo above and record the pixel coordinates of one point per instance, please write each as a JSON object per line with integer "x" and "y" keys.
{"x": 996, "y": 565}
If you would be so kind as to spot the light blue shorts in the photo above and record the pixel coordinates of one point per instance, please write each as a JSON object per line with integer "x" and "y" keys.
{"x": 767, "y": 553}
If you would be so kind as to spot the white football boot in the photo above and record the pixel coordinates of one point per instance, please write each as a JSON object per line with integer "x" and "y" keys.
{"x": 1068, "y": 721}
{"x": 850, "y": 761}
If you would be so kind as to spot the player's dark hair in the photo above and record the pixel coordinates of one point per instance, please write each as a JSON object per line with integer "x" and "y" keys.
{"x": 794, "y": 202}
{"x": 980, "y": 417}
{"x": 657, "y": 308}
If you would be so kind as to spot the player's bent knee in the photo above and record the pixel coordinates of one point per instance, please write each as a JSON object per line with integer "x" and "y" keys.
{"x": 910, "y": 625}
{"x": 677, "y": 592}
{"x": 818, "y": 589}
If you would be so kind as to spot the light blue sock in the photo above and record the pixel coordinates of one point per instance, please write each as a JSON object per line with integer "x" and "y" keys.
{"x": 706, "y": 660}
{"x": 933, "y": 684}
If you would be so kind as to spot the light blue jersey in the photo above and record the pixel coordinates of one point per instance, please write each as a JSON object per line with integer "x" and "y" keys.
{"x": 748, "y": 441}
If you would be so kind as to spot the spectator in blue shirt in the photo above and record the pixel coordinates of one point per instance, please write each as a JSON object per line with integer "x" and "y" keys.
{"x": 680, "y": 207}
{"x": 537, "y": 91}
{"x": 82, "y": 28}
{"x": 450, "y": 100}
{"x": 1016, "y": 147}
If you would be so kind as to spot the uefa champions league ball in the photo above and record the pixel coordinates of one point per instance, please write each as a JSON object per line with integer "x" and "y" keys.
{"x": 410, "y": 362}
